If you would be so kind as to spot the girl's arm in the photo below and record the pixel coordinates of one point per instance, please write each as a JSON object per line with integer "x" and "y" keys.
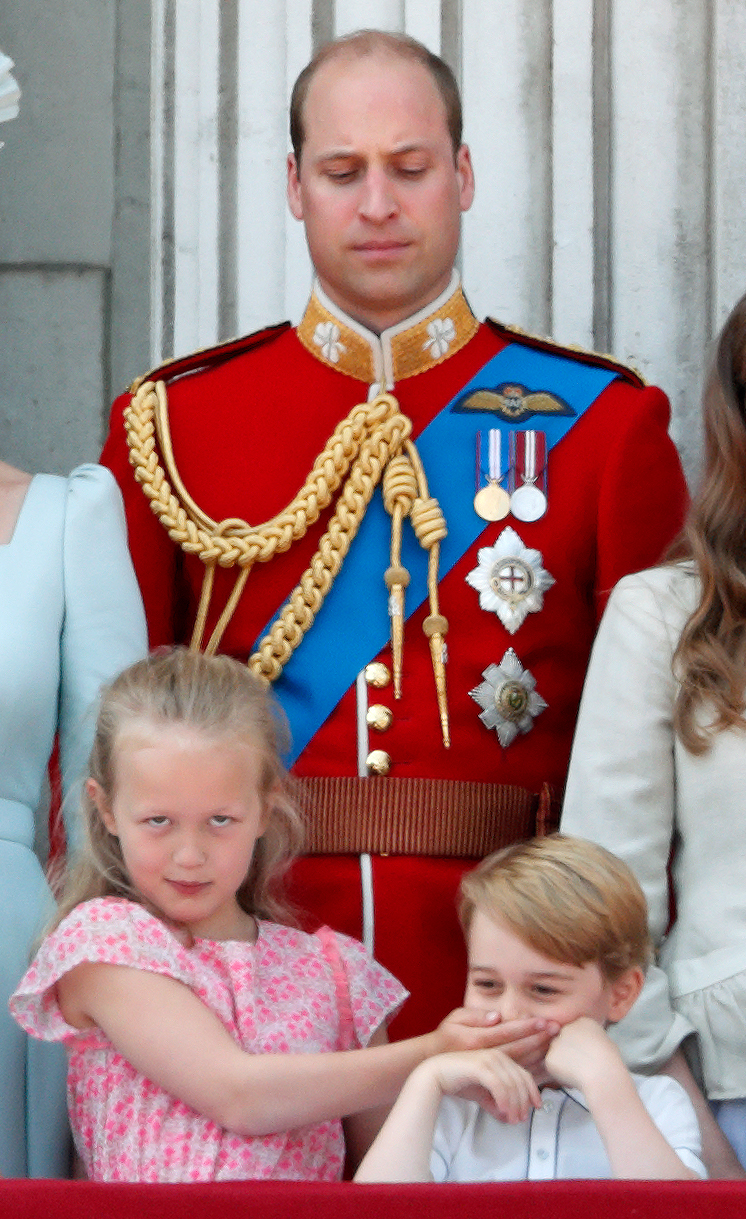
{"x": 360, "y": 1129}
{"x": 165, "y": 1031}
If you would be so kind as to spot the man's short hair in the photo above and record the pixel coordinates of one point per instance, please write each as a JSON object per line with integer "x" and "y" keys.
{"x": 377, "y": 42}
{"x": 569, "y": 899}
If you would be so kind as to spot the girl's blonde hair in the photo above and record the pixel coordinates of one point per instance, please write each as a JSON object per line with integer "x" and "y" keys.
{"x": 220, "y": 697}
{"x": 710, "y": 659}
{"x": 569, "y": 899}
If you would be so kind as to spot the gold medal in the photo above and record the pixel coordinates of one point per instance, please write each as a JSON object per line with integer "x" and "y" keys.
{"x": 492, "y": 502}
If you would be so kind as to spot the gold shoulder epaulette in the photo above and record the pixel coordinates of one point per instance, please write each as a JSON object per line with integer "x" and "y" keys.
{"x": 626, "y": 371}
{"x": 209, "y": 357}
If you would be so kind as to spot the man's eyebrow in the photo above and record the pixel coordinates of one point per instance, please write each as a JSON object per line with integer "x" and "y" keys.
{"x": 351, "y": 154}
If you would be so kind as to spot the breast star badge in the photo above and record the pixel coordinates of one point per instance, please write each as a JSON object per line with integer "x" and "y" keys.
{"x": 508, "y": 697}
{"x": 510, "y": 579}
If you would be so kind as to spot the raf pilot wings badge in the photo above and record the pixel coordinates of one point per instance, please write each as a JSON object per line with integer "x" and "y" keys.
{"x": 514, "y": 403}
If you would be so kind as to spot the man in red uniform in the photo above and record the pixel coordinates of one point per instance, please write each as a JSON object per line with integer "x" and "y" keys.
{"x": 404, "y": 789}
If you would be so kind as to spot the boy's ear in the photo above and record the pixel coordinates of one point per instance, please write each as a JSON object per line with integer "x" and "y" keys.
{"x": 624, "y": 992}
{"x": 96, "y": 793}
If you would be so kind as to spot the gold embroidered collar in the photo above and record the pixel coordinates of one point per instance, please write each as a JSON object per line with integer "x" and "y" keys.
{"x": 416, "y": 344}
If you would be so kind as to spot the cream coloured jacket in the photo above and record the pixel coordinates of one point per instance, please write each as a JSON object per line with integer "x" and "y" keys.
{"x": 634, "y": 788}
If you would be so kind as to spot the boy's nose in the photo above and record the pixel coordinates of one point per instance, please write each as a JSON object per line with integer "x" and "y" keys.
{"x": 512, "y": 1006}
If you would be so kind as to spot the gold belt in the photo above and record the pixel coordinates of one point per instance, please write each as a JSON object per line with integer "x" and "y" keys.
{"x": 452, "y": 818}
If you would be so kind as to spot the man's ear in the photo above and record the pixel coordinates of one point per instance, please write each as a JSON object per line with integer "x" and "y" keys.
{"x": 624, "y": 992}
{"x": 465, "y": 174}
{"x": 96, "y": 793}
{"x": 295, "y": 202}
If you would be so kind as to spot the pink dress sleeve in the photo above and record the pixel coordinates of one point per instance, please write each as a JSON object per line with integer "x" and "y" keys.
{"x": 107, "y": 930}
{"x": 367, "y": 994}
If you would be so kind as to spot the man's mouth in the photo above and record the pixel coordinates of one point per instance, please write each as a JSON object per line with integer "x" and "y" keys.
{"x": 381, "y": 249}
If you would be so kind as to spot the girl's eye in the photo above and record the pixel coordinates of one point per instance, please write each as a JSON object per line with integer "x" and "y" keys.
{"x": 157, "y": 822}
{"x": 221, "y": 819}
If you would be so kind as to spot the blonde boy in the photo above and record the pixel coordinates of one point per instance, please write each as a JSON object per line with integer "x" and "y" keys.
{"x": 555, "y": 927}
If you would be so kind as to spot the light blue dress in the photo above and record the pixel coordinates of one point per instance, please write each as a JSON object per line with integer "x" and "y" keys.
{"x": 70, "y": 619}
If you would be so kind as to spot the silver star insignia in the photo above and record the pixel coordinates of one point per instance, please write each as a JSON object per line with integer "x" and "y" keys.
{"x": 510, "y": 579}
{"x": 508, "y": 698}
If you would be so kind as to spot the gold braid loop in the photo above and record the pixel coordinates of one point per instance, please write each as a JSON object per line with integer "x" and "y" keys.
{"x": 147, "y": 417}
{"x": 371, "y": 444}
{"x": 298, "y": 614}
{"x": 428, "y": 522}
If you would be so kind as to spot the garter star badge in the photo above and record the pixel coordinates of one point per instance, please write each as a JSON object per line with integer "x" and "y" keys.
{"x": 510, "y": 579}
{"x": 508, "y": 698}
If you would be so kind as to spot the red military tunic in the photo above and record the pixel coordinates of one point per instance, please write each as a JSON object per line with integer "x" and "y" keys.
{"x": 247, "y": 427}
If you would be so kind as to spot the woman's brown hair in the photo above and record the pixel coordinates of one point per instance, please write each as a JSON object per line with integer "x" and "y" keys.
{"x": 710, "y": 659}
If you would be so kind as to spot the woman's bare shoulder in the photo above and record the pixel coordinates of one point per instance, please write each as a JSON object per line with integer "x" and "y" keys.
{"x": 12, "y": 479}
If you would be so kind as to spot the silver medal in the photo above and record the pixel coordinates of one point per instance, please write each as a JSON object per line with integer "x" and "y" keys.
{"x": 528, "y": 502}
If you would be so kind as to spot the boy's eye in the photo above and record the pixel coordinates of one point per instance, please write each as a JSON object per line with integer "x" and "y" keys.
{"x": 484, "y": 984}
{"x": 221, "y": 819}
{"x": 157, "y": 822}
{"x": 545, "y": 992}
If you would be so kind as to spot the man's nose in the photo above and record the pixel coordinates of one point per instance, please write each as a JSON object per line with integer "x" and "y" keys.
{"x": 378, "y": 199}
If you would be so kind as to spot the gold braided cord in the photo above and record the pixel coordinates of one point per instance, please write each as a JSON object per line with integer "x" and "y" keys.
{"x": 297, "y": 616}
{"x": 371, "y": 443}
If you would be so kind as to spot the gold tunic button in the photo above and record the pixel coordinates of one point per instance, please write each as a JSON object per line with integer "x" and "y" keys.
{"x": 379, "y": 717}
{"x": 378, "y": 762}
{"x": 377, "y": 674}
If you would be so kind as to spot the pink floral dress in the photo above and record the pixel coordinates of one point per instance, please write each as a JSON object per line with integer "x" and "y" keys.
{"x": 289, "y": 993}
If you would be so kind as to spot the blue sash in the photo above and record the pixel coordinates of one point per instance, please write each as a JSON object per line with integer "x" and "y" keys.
{"x": 352, "y": 626}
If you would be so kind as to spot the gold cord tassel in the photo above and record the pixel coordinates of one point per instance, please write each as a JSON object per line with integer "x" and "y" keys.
{"x": 430, "y": 527}
{"x": 399, "y": 493}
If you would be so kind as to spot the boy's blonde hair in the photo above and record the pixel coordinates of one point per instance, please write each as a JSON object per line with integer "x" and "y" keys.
{"x": 215, "y": 695}
{"x": 569, "y": 899}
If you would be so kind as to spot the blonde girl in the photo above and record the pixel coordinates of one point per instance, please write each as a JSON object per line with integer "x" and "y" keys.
{"x": 209, "y": 1039}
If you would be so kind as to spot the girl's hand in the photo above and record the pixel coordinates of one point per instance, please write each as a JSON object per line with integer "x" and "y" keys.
{"x": 490, "y": 1077}
{"x": 525, "y": 1041}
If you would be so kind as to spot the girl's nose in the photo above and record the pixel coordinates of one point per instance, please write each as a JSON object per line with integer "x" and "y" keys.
{"x": 188, "y": 852}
